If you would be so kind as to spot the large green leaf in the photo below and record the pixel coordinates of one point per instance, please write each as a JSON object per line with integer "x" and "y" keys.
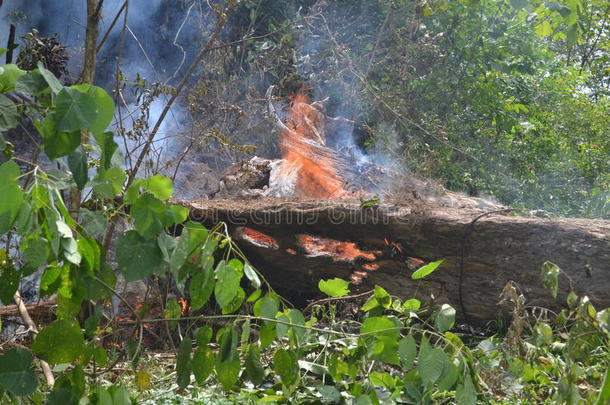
{"x": 465, "y": 394}
{"x": 16, "y": 372}
{"x": 8, "y": 77}
{"x": 444, "y": 318}
{"x": 159, "y": 185}
{"x": 254, "y": 370}
{"x": 9, "y": 116}
{"x": 110, "y": 182}
{"x": 137, "y": 257}
{"x": 56, "y": 144}
{"x": 183, "y": 363}
{"x": 75, "y": 110}
{"x": 431, "y": 365}
{"x": 77, "y": 162}
{"x": 228, "y": 278}
{"x": 203, "y": 363}
{"x": 148, "y": 213}
{"x": 12, "y": 196}
{"x": 227, "y": 361}
{"x": 60, "y": 342}
{"x": 285, "y": 364}
{"x": 104, "y": 107}
{"x": 407, "y": 351}
{"x": 9, "y": 278}
{"x": 267, "y": 307}
{"x": 54, "y": 84}
{"x": 35, "y": 250}
{"x": 202, "y": 283}
{"x": 335, "y": 287}
{"x": 32, "y": 83}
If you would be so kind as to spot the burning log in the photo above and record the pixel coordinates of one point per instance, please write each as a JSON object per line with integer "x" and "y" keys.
{"x": 297, "y": 241}
{"x": 309, "y": 240}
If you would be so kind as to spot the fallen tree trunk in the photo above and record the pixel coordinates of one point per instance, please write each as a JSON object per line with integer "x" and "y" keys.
{"x": 488, "y": 253}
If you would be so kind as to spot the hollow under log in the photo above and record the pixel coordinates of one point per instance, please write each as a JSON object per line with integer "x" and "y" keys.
{"x": 499, "y": 248}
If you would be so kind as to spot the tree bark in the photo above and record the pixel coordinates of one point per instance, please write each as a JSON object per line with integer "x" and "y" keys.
{"x": 489, "y": 253}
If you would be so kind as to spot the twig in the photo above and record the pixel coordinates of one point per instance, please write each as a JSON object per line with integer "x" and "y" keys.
{"x": 25, "y": 316}
{"x": 222, "y": 19}
{"x": 333, "y": 299}
{"x": 116, "y": 17}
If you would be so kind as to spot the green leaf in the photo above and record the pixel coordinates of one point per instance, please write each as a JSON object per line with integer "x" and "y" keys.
{"x": 550, "y": 277}
{"x": 227, "y": 361}
{"x": 110, "y": 183}
{"x": 77, "y": 162}
{"x": 94, "y": 222}
{"x": 267, "y": 307}
{"x": 296, "y": 317}
{"x": 35, "y": 250}
{"x": 382, "y": 380}
{"x": 204, "y": 336}
{"x": 252, "y": 276}
{"x": 411, "y": 305}
{"x": 103, "y": 104}
{"x": 16, "y": 373}
{"x": 183, "y": 363}
{"x": 12, "y": 195}
{"x": 450, "y": 376}
{"x": 108, "y": 146}
{"x": 9, "y": 116}
{"x": 227, "y": 284}
{"x": 137, "y": 257}
{"x": 75, "y": 110}
{"x": 54, "y": 84}
{"x": 431, "y": 365}
{"x": 378, "y": 324}
{"x": 8, "y": 77}
{"x": 203, "y": 364}
{"x": 148, "y": 213}
{"x": 254, "y": 370}
{"x": 444, "y": 318}
{"x": 465, "y": 394}
{"x": 159, "y": 185}
{"x": 202, "y": 285}
{"x": 180, "y": 213}
{"x": 56, "y": 144}
{"x": 543, "y": 333}
{"x": 335, "y": 287}
{"x": 192, "y": 237}
{"x": 32, "y": 83}
{"x": 407, "y": 351}
{"x": 236, "y": 302}
{"x": 9, "y": 278}
{"x": 285, "y": 364}
{"x": 60, "y": 342}
{"x": 544, "y": 29}
{"x": 427, "y": 269}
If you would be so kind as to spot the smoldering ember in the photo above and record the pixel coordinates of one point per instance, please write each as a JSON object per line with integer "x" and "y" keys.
{"x": 304, "y": 201}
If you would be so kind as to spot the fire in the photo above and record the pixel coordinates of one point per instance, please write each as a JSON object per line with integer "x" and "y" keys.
{"x": 304, "y": 153}
{"x": 337, "y": 250}
{"x": 259, "y": 239}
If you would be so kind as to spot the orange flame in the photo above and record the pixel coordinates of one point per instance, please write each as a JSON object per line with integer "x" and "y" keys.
{"x": 260, "y": 239}
{"x": 337, "y": 250}
{"x": 303, "y": 150}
